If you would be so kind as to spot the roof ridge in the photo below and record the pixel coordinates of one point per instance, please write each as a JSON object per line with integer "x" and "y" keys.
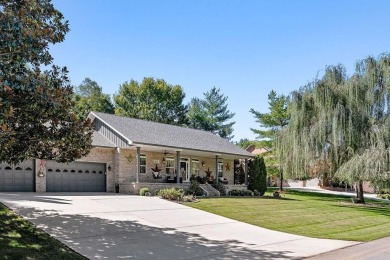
{"x": 154, "y": 122}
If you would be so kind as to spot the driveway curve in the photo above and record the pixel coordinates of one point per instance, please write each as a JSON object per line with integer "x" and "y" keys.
{"x": 114, "y": 226}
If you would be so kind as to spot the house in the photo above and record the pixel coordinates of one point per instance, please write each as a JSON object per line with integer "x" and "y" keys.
{"x": 129, "y": 154}
{"x": 255, "y": 151}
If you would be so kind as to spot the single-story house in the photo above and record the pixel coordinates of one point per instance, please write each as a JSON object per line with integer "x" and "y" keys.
{"x": 129, "y": 154}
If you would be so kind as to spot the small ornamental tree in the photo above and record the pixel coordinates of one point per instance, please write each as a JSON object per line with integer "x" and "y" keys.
{"x": 257, "y": 175}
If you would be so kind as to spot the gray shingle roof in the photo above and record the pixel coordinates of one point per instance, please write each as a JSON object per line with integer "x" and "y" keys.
{"x": 100, "y": 140}
{"x": 158, "y": 134}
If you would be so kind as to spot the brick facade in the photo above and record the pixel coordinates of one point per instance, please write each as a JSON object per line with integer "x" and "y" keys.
{"x": 123, "y": 164}
{"x": 107, "y": 156}
{"x": 127, "y": 159}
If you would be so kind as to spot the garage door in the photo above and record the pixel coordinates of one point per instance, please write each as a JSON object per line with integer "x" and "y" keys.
{"x": 17, "y": 177}
{"x": 75, "y": 176}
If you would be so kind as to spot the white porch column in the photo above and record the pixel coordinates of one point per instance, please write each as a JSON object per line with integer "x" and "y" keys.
{"x": 117, "y": 166}
{"x": 246, "y": 172}
{"x": 216, "y": 169}
{"x": 138, "y": 164}
{"x": 178, "y": 166}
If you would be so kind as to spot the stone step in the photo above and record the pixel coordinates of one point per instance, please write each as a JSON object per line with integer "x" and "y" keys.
{"x": 209, "y": 190}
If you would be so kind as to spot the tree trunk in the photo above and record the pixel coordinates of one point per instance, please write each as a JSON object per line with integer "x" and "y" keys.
{"x": 357, "y": 189}
{"x": 281, "y": 180}
{"x": 360, "y": 192}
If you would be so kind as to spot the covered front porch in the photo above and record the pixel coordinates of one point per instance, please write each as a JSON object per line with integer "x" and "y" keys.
{"x": 157, "y": 167}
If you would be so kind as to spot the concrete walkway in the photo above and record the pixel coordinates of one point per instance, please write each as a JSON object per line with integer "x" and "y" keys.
{"x": 377, "y": 249}
{"x": 349, "y": 193}
{"x": 110, "y": 226}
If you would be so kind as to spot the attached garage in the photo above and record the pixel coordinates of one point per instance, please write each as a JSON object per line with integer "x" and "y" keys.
{"x": 17, "y": 177}
{"x": 75, "y": 176}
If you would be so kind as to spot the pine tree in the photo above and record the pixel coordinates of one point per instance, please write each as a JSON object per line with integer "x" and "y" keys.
{"x": 275, "y": 120}
{"x": 211, "y": 114}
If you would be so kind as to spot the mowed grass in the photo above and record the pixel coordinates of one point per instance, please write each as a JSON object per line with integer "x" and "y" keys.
{"x": 19, "y": 239}
{"x": 308, "y": 214}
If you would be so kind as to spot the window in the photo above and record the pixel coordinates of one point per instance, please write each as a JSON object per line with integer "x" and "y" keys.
{"x": 195, "y": 167}
{"x": 169, "y": 166}
{"x": 220, "y": 169}
{"x": 142, "y": 164}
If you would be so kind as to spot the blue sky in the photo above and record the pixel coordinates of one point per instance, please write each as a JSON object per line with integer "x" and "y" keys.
{"x": 245, "y": 48}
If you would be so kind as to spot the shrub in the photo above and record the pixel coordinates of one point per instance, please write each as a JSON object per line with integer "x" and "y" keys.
{"x": 248, "y": 193}
{"x": 256, "y": 193}
{"x": 220, "y": 187}
{"x": 258, "y": 175}
{"x": 189, "y": 198}
{"x": 171, "y": 194}
{"x": 195, "y": 189}
{"x": 142, "y": 191}
{"x": 233, "y": 193}
{"x": 241, "y": 193}
{"x": 384, "y": 194}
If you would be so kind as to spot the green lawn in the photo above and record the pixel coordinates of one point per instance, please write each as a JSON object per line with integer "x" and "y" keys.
{"x": 308, "y": 214}
{"x": 19, "y": 239}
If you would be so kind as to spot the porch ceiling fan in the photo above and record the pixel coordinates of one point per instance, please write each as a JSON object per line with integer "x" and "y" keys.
{"x": 166, "y": 153}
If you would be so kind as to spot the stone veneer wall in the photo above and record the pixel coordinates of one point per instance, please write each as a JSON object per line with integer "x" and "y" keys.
{"x": 133, "y": 188}
{"x": 40, "y": 181}
{"x": 127, "y": 170}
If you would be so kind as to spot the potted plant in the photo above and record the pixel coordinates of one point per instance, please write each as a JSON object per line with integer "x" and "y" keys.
{"x": 156, "y": 172}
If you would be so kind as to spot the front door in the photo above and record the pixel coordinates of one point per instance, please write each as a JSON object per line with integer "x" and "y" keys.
{"x": 185, "y": 169}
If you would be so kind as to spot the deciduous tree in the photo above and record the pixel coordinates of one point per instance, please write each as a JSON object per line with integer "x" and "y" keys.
{"x": 89, "y": 97}
{"x": 36, "y": 116}
{"x": 153, "y": 100}
{"x": 343, "y": 121}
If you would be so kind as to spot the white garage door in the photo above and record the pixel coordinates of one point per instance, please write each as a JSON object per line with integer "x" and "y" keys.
{"x": 17, "y": 177}
{"x": 75, "y": 176}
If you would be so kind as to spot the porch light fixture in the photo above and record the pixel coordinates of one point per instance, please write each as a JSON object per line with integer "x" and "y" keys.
{"x": 203, "y": 163}
{"x": 109, "y": 168}
{"x": 163, "y": 160}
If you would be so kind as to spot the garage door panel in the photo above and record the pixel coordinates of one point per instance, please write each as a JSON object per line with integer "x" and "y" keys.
{"x": 76, "y": 177}
{"x": 18, "y": 177}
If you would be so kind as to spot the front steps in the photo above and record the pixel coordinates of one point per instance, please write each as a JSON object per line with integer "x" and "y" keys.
{"x": 209, "y": 190}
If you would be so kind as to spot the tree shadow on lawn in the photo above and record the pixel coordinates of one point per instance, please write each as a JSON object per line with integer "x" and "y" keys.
{"x": 319, "y": 195}
{"x": 377, "y": 209}
{"x": 100, "y": 238}
{"x": 19, "y": 239}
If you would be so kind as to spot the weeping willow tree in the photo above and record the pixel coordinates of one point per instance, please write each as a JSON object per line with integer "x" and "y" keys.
{"x": 340, "y": 126}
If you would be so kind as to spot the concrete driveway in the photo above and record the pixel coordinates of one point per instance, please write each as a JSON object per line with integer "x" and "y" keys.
{"x": 109, "y": 226}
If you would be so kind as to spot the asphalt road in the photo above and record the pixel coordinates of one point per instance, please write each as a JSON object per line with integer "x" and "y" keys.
{"x": 378, "y": 250}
